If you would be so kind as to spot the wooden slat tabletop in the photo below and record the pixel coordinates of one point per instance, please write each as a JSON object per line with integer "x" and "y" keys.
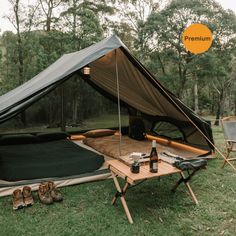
{"x": 124, "y": 171}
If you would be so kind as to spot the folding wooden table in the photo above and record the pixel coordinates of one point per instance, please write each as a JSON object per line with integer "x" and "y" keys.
{"x": 119, "y": 169}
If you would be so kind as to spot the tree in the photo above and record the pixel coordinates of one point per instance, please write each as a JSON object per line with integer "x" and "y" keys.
{"x": 224, "y": 26}
{"x": 233, "y": 77}
{"x": 81, "y": 19}
{"x": 9, "y": 69}
{"x": 18, "y": 21}
{"x": 133, "y": 15}
{"x": 48, "y": 6}
{"x": 177, "y": 67}
{"x": 17, "y": 24}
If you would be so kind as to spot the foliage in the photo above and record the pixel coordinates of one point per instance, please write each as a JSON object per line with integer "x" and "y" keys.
{"x": 81, "y": 19}
{"x": 42, "y": 48}
{"x": 133, "y": 14}
{"x": 179, "y": 69}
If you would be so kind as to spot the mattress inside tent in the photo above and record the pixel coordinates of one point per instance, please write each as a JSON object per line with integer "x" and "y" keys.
{"x": 109, "y": 146}
{"x": 7, "y": 187}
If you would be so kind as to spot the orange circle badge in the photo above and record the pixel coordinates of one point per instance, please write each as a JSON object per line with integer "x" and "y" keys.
{"x": 197, "y": 38}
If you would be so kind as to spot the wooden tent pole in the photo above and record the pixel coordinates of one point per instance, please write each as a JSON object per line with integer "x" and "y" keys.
{"x": 118, "y": 101}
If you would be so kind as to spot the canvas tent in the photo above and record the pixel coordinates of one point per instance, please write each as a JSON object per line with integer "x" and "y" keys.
{"x": 114, "y": 72}
{"x": 118, "y": 75}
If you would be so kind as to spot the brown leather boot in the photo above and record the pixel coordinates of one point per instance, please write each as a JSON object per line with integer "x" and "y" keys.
{"x": 44, "y": 195}
{"x": 54, "y": 192}
{"x": 17, "y": 200}
{"x": 28, "y": 198}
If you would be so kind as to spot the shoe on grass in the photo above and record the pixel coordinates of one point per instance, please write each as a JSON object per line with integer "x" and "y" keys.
{"x": 27, "y": 195}
{"x": 17, "y": 200}
{"x": 54, "y": 192}
{"x": 44, "y": 194}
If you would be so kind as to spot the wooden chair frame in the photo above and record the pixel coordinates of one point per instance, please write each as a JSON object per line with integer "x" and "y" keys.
{"x": 230, "y": 143}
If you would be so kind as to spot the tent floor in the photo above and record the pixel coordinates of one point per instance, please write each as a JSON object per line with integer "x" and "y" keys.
{"x": 6, "y": 188}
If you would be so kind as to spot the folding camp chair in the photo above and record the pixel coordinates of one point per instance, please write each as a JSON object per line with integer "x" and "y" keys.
{"x": 229, "y": 129}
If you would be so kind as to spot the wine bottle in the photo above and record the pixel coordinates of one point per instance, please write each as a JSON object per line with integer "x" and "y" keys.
{"x": 154, "y": 158}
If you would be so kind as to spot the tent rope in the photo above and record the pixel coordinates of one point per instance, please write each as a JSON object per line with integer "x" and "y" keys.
{"x": 118, "y": 101}
{"x": 221, "y": 154}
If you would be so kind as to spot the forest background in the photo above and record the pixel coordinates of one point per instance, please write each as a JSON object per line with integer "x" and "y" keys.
{"x": 152, "y": 31}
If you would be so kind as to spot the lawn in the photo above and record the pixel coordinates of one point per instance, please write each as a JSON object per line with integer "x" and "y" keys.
{"x": 86, "y": 209}
{"x": 102, "y": 121}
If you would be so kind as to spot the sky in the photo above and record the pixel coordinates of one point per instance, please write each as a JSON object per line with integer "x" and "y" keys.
{"x": 5, "y": 8}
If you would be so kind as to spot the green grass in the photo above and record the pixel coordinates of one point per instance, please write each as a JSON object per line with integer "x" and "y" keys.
{"x": 86, "y": 209}
{"x": 102, "y": 121}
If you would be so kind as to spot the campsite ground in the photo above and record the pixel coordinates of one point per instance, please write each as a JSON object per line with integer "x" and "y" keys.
{"x": 86, "y": 209}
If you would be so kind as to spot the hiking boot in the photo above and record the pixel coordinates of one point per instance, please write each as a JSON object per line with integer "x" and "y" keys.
{"x": 44, "y": 195}
{"x": 54, "y": 192}
{"x": 28, "y": 198}
{"x": 17, "y": 200}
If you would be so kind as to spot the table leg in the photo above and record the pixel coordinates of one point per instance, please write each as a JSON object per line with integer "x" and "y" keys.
{"x": 122, "y": 198}
{"x": 189, "y": 189}
{"x": 186, "y": 182}
{"x": 123, "y": 192}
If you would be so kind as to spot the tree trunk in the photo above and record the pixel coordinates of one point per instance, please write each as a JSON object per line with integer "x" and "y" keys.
{"x": 217, "y": 115}
{"x": 196, "y": 107}
{"x": 50, "y": 114}
{"x": 74, "y": 25}
{"x": 19, "y": 43}
{"x": 49, "y": 16}
{"x": 162, "y": 65}
{"x": 183, "y": 80}
{"x": 63, "y": 121}
{"x": 235, "y": 108}
{"x": 48, "y": 24}
{"x": 20, "y": 55}
{"x": 235, "y": 103}
{"x": 212, "y": 103}
{"x": 48, "y": 12}
{"x": 75, "y": 110}
{"x": 220, "y": 106}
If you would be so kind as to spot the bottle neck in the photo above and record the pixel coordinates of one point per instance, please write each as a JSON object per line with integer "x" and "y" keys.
{"x": 154, "y": 144}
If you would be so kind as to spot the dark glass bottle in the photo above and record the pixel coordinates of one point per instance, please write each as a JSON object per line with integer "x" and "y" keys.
{"x": 154, "y": 158}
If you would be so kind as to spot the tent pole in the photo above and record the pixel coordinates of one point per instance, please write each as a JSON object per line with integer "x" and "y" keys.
{"x": 63, "y": 125}
{"x": 118, "y": 101}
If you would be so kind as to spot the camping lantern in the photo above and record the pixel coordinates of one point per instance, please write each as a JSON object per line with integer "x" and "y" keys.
{"x": 86, "y": 70}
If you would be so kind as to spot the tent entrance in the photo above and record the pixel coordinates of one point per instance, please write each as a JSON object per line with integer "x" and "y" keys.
{"x": 84, "y": 109}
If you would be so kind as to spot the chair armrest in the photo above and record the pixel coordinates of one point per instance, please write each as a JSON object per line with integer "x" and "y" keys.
{"x": 231, "y": 141}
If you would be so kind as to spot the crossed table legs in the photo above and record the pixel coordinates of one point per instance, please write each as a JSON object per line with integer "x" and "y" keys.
{"x": 121, "y": 192}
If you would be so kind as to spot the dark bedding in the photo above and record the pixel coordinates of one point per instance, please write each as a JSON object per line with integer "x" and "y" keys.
{"x": 57, "y": 158}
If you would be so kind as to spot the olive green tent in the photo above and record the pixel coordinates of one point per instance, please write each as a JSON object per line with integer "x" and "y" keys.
{"x": 110, "y": 60}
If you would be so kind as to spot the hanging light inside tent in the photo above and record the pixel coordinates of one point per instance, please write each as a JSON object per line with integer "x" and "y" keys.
{"x": 86, "y": 70}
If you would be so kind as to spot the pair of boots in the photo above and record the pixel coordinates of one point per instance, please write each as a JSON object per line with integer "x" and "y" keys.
{"x": 48, "y": 193}
{"x": 22, "y": 198}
